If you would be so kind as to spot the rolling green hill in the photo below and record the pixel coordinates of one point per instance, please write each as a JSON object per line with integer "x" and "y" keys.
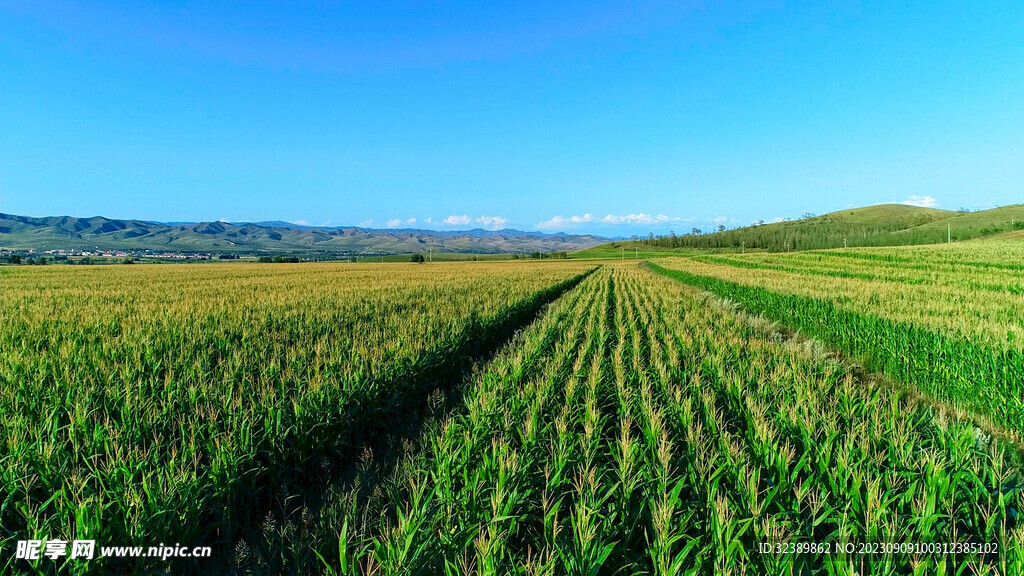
{"x": 882, "y": 225}
{"x": 965, "y": 226}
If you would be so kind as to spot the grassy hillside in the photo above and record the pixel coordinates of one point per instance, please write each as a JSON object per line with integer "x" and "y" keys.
{"x": 883, "y": 225}
{"x": 965, "y": 226}
{"x": 1012, "y": 235}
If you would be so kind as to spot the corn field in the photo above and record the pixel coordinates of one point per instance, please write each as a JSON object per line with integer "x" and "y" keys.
{"x": 513, "y": 418}
{"x": 168, "y": 403}
{"x": 944, "y": 319}
{"x": 642, "y": 428}
{"x": 980, "y": 297}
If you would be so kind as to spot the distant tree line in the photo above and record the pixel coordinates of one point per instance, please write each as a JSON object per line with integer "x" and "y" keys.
{"x": 60, "y": 259}
{"x": 821, "y": 233}
{"x": 31, "y": 261}
{"x": 278, "y": 259}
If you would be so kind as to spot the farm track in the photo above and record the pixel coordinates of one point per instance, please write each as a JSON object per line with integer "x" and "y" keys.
{"x": 668, "y": 436}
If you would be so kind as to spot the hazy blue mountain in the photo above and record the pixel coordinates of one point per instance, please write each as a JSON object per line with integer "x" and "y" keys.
{"x": 98, "y": 232}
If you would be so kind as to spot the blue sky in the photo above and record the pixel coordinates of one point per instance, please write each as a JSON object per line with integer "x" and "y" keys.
{"x": 611, "y": 117}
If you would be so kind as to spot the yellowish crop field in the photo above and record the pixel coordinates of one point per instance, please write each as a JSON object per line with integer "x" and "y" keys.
{"x": 152, "y": 403}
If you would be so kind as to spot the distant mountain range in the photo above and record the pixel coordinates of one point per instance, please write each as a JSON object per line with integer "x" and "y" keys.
{"x": 98, "y": 232}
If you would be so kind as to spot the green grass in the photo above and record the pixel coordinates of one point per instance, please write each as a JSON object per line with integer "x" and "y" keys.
{"x": 623, "y": 250}
{"x": 965, "y": 226}
{"x": 443, "y": 257}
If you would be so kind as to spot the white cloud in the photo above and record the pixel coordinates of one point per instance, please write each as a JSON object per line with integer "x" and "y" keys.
{"x": 366, "y": 223}
{"x": 429, "y": 220}
{"x": 778, "y": 219}
{"x": 563, "y": 222}
{"x": 921, "y": 201}
{"x": 305, "y": 222}
{"x": 411, "y": 221}
{"x": 640, "y": 218}
{"x": 454, "y": 220}
{"x": 491, "y": 222}
{"x": 394, "y": 223}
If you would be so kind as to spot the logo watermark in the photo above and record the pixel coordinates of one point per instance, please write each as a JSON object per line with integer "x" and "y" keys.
{"x": 87, "y": 550}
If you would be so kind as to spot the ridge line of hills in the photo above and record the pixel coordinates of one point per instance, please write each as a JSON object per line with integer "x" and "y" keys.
{"x": 880, "y": 225}
{"x": 101, "y": 233}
